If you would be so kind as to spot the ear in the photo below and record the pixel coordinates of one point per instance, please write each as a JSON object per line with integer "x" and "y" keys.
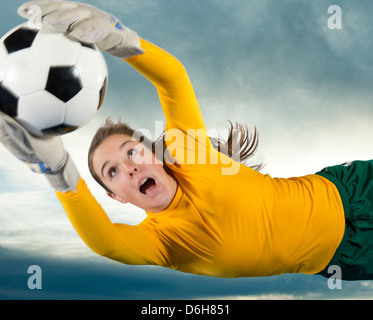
{"x": 115, "y": 197}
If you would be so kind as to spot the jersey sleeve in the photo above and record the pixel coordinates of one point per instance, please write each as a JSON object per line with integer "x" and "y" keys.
{"x": 124, "y": 243}
{"x": 185, "y": 128}
{"x": 171, "y": 80}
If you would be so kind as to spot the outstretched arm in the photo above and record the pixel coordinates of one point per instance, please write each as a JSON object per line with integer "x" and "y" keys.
{"x": 120, "y": 242}
{"x": 47, "y": 156}
{"x": 88, "y": 24}
{"x": 173, "y": 85}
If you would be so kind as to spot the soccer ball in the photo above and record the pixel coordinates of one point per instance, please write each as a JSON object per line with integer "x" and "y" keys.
{"x": 50, "y": 84}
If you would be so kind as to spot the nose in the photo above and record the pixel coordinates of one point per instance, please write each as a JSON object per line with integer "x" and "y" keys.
{"x": 131, "y": 168}
{"x": 133, "y": 171}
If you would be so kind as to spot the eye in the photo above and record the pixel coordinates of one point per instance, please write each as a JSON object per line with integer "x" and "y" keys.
{"x": 131, "y": 153}
{"x": 112, "y": 172}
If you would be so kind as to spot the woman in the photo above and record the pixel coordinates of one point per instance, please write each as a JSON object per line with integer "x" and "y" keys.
{"x": 206, "y": 213}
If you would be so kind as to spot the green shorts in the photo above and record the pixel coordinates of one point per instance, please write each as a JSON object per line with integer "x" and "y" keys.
{"x": 354, "y": 255}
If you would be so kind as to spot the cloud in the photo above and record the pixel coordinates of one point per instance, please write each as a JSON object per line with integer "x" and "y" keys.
{"x": 99, "y": 278}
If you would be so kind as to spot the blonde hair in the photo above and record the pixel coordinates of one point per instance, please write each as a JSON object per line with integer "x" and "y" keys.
{"x": 239, "y": 138}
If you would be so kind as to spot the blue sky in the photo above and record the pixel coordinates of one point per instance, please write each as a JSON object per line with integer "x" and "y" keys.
{"x": 273, "y": 64}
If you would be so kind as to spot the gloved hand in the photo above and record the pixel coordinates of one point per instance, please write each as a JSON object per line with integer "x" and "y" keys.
{"x": 43, "y": 155}
{"x": 87, "y": 24}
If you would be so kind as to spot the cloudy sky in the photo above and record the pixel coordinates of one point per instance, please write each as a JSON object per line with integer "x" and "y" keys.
{"x": 269, "y": 63}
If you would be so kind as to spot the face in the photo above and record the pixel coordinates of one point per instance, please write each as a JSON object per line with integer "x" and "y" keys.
{"x": 133, "y": 173}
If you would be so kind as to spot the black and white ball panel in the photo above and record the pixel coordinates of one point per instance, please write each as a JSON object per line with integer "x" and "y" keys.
{"x": 48, "y": 82}
{"x": 8, "y": 101}
{"x": 19, "y": 40}
{"x": 63, "y": 82}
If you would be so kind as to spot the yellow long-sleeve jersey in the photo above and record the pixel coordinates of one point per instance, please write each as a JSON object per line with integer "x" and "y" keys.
{"x": 226, "y": 219}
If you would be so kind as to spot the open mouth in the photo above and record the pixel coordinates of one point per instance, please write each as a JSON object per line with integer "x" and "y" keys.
{"x": 147, "y": 186}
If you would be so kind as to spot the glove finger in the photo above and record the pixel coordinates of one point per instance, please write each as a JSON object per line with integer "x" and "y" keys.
{"x": 90, "y": 30}
{"x": 62, "y": 19}
{"x": 101, "y": 28}
{"x": 112, "y": 40}
{"x": 13, "y": 137}
{"x": 45, "y": 7}
{"x": 49, "y": 156}
{"x": 56, "y": 14}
